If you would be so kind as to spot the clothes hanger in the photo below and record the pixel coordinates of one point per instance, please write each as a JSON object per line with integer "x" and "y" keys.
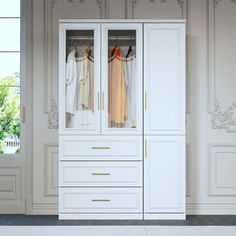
{"x": 130, "y": 48}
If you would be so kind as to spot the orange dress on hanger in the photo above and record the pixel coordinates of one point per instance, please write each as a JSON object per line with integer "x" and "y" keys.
{"x": 117, "y": 90}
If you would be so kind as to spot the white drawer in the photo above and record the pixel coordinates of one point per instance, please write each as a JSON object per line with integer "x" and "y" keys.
{"x": 100, "y": 174}
{"x": 100, "y": 200}
{"x": 100, "y": 148}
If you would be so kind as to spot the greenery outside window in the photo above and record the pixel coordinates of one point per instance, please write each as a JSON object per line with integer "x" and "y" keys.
{"x": 10, "y": 77}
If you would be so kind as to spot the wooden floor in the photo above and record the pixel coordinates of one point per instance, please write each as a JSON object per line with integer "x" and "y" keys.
{"x": 192, "y": 220}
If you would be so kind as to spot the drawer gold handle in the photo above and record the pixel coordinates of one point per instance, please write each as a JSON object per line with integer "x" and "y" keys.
{"x": 100, "y": 200}
{"x": 101, "y": 148}
{"x": 100, "y": 174}
{"x": 103, "y": 101}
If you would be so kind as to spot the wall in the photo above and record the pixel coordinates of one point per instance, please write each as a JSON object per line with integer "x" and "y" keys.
{"x": 211, "y": 97}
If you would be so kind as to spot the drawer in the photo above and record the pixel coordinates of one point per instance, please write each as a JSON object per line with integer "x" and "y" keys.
{"x": 100, "y": 200}
{"x": 100, "y": 148}
{"x": 100, "y": 174}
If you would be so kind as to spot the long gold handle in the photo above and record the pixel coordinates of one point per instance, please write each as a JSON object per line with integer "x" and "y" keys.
{"x": 100, "y": 174}
{"x": 100, "y": 200}
{"x": 145, "y": 102}
{"x": 98, "y": 100}
{"x": 101, "y": 147}
{"x": 102, "y": 100}
{"x": 145, "y": 148}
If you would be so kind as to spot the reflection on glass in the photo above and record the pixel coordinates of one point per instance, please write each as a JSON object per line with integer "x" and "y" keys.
{"x": 121, "y": 78}
{"x": 10, "y": 34}
{"x": 80, "y": 79}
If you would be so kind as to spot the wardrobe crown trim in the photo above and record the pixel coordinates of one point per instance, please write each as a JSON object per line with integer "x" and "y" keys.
{"x": 121, "y": 21}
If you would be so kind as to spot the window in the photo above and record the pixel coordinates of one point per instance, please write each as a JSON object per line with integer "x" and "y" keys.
{"x": 10, "y": 77}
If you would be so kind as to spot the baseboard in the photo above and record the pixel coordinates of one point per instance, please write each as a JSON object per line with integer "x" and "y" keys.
{"x": 86, "y": 216}
{"x": 45, "y": 209}
{"x": 192, "y": 209}
{"x": 211, "y": 209}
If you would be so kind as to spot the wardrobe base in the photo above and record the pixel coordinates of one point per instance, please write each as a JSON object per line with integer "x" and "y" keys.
{"x": 85, "y": 216}
{"x": 164, "y": 216}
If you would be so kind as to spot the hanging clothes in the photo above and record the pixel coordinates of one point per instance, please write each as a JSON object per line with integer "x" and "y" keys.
{"x": 130, "y": 81}
{"x": 117, "y": 90}
{"x": 71, "y": 82}
{"x": 79, "y": 90}
{"x": 86, "y": 85}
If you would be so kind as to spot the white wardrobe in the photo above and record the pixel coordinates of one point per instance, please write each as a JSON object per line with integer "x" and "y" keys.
{"x": 122, "y": 119}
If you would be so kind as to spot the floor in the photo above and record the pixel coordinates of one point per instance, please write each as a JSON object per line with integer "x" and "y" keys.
{"x": 118, "y": 230}
{"x": 49, "y": 220}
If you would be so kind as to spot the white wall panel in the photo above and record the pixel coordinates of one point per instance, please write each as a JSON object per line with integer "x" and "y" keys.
{"x": 51, "y": 169}
{"x": 222, "y": 166}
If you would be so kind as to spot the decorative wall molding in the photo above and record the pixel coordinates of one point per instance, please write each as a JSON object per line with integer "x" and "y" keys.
{"x": 221, "y": 118}
{"x": 216, "y": 2}
{"x": 10, "y": 185}
{"x": 50, "y": 104}
{"x": 215, "y": 180}
{"x": 180, "y": 2}
{"x": 50, "y": 170}
{"x": 53, "y": 115}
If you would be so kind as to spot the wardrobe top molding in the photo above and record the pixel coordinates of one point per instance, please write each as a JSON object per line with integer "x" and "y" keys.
{"x": 169, "y": 21}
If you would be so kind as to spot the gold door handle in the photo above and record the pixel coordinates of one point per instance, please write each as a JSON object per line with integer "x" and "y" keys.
{"x": 145, "y": 101}
{"x": 100, "y": 200}
{"x": 145, "y": 148}
{"x": 98, "y": 100}
{"x": 100, "y": 174}
{"x": 101, "y": 148}
{"x": 103, "y": 101}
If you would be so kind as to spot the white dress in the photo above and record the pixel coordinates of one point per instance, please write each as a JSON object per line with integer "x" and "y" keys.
{"x": 130, "y": 80}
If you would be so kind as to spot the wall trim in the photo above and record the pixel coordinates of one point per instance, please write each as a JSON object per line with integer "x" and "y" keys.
{"x": 221, "y": 118}
{"x": 213, "y": 190}
{"x": 188, "y": 170}
{"x": 48, "y": 190}
{"x": 211, "y": 209}
{"x": 45, "y": 209}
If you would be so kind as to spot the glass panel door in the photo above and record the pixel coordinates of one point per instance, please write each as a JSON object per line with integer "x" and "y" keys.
{"x": 121, "y": 83}
{"x": 81, "y": 80}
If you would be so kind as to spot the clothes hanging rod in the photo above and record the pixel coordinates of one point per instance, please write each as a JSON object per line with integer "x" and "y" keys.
{"x": 90, "y": 38}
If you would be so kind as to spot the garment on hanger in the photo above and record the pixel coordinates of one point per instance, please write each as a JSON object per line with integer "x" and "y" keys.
{"x": 86, "y": 84}
{"x": 71, "y": 82}
{"x": 130, "y": 81}
{"x": 117, "y": 90}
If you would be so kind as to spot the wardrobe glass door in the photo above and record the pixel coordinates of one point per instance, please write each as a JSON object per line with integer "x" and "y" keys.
{"x": 122, "y": 78}
{"x": 81, "y": 82}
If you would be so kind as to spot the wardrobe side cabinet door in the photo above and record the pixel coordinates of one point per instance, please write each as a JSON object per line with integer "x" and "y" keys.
{"x": 79, "y": 63}
{"x": 122, "y": 78}
{"x": 164, "y": 174}
{"x": 164, "y": 78}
